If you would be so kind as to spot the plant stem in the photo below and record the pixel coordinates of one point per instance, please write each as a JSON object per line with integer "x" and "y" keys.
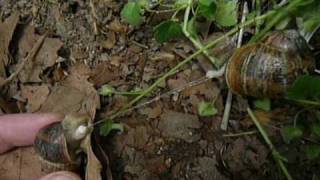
{"x": 279, "y": 15}
{"x": 240, "y": 134}
{"x": 195, "y": 41}
{"x": 308, "y": 102}
{"x": 226, "y": 113}
{"x": 258, "y": 10}
{"x": 276, "y": 155}
{"x": 128, "y": 93}
{"x": 188, "y": 59}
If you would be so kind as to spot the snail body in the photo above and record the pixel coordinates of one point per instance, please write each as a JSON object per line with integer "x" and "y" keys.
{"x": 59, "y": 144}
{"x": 268, "y": 68}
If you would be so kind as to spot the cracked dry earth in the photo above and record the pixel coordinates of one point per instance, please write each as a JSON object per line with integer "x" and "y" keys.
{"x": 165, "y": 139}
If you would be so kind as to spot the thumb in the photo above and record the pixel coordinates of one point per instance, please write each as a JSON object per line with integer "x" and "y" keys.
{"x": 61, "y": 175}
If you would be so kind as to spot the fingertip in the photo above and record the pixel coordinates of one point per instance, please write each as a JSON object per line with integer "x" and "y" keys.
{"x": 61, "y": 175}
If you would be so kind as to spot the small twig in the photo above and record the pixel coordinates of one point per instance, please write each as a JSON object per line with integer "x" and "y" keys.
{"x": 240, "y": 134}
{"x": 195, "y": 42}
{"x": 139, "y": 44}
{"x": 276, "y": 155}
{"x": 226, "y": 113}
{"x": 29, "y": 57}
{"x": 94, "y": 17}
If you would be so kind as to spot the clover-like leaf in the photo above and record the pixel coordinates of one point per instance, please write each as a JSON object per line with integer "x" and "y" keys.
{"x": 313, "y": 151}
{"x": 207, "y": 9}
{"x": 181, "y": 3}
{"x": 167, "y": 30}
{"x": 264, "y": 104}
{"x": 305, "y": 87}
{"x": 316, "y": 129}
{"x": 131, "y": 13}
{"x": 106, "y": 90}
{"x": 290, "y": 133}
{"x": 108, "y": 126}
{"x": 206, "y": 109}
{"x": 226, "y": 13}
{"x": 191, "y": 28}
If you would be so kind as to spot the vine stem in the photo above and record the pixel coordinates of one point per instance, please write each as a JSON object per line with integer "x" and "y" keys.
{"x": 276, "y": 155}
{"x": 226, "y": 113}
{"x": 195, "y": 42}
{"x": 276, "y": 19}
{"x": 187, "y": 60}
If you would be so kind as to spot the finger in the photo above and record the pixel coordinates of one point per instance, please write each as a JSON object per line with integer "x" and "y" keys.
{"x": 21, "y": 129}
{"x": 61, "y": 175}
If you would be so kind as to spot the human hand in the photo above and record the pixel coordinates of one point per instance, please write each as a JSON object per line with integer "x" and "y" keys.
{"x": 18, "y": 130}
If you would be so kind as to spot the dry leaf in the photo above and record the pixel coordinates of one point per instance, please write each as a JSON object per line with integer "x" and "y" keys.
{"x": 6, "y": 32}
{"x": 74, "y": 94}
{"x": 22, "y": 164}
{"x": 94, "y": 167}
{"x": 263, "y": 116}
{"x": 179, "y": 125}
{"x": 102, "y": 75}
{"x": 110, "y": 42}
{"x": 35, "y": 96}
{"x": 46, "y": 56}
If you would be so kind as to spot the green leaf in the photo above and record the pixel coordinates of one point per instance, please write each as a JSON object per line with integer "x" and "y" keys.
{"x": 106, "y": 90}
{"x": 206, "y": 109}
{"x": 313, "y": 151}
{"x": 108, "y": 126}
{"x": 207, "y": 9}
{"x": 191, "y": 28}
{"x": 316, "y": 129}
{"x": 318, "y": 115}
{"x": 308, "y": 10}
{"x": 290, "y": 133}
{"x": 143, "y": 3}
{"x": 264, "y": 104}
{"x": 181, "y": 3}
{"x": 131, "y": 13}
{"x": 167, "y": 30}
{"x": 226, "y": 14}
{"x": 306, "y": 87}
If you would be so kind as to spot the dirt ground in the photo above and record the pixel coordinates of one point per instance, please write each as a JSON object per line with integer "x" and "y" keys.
{"x": 87, "y": 46}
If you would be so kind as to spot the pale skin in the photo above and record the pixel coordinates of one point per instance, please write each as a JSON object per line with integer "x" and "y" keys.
{"x": 17, "y": 130}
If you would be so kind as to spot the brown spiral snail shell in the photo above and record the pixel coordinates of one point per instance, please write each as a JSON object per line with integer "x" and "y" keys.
{"x": 59, "y": 144}
{"x": 268, "y": 68}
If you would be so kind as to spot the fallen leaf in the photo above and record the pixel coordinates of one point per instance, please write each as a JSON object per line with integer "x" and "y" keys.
{"x": 7, "y": 29}
{"x": 94, "y": 167}
{"x": 35, "y": 96}
{"x": 45, "y": 58}
{"x": 22, "y": 164}
{"x": 179, "y": 125}
{"x": 102, "y": 75}
{"x": 111, "y": 41}
{"x": 74, "y": 94}
{"x": 152, "y": 112}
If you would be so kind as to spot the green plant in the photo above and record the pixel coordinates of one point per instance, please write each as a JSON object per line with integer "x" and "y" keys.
{"x": 306, "y": 93}
{"x": 224, "y": 14}
{"x": 206, "y": 109}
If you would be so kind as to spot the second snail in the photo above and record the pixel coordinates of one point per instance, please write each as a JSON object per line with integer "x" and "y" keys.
{"x": 269, "y": 68}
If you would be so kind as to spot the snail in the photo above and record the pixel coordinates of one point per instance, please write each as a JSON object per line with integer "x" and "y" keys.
{"x": 59, "y": 144}
{"x": 269, "y": 68}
